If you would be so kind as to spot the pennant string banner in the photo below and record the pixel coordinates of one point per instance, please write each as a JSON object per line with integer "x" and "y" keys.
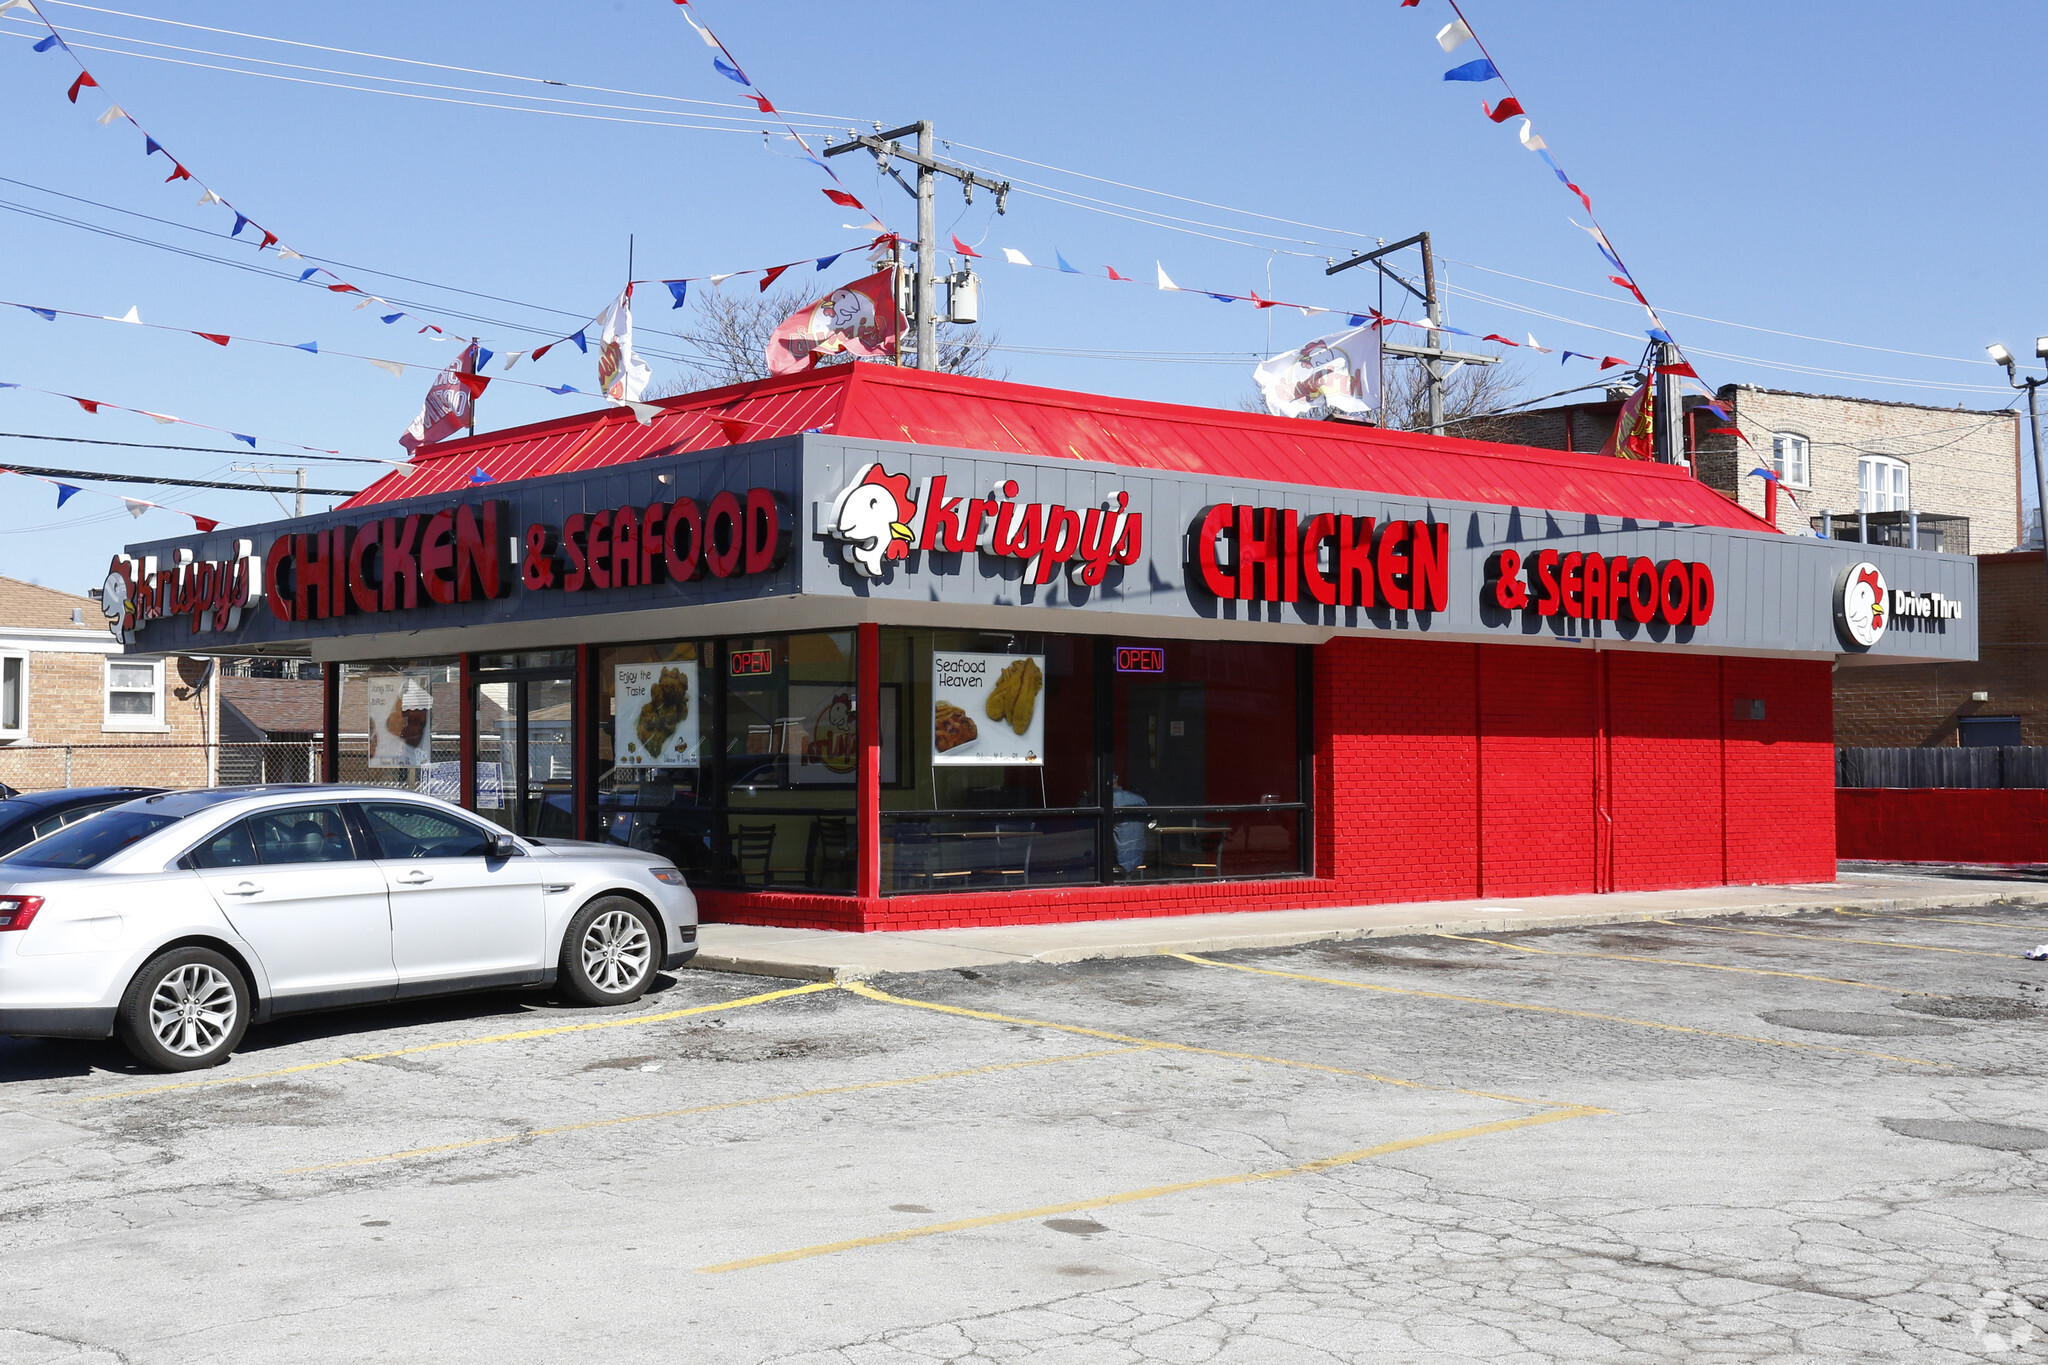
{"x": 135, "y": 506}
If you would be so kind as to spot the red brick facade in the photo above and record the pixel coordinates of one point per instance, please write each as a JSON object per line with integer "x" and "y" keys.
{"x": 1452, "y": 771}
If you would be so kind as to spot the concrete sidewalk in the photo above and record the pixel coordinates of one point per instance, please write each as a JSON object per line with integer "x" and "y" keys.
{"x": 819, "y": 955}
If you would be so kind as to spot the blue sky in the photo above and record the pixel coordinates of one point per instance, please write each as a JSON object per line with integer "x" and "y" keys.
{"x": 1855, "y": 173}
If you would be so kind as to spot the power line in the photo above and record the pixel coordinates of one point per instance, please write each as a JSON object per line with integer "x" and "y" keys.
{"x": 191, "y": 450}
{"x": 91, "y": 476}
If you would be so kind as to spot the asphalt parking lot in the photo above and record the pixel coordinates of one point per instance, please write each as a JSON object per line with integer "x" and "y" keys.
{"x": 1761, "y": 1140}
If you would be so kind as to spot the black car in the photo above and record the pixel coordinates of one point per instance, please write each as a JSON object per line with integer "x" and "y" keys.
{"x": 28, "y": 816}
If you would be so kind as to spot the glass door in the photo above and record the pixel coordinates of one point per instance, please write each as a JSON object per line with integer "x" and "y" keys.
{"x": 525, "y": 750}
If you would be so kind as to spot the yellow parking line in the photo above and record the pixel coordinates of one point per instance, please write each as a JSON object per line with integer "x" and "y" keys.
{"x": 1315, "y": 1167}
{"x": 1830, "y": 938}
{"x": 1553, "y": 1009}
{"x": 1675, "y": 962}
{"x": 626, "y": 1022}
{"x": 1933, "y": 919}
{"x": 530, "y": 1133}
{"x": 860, "y": 988}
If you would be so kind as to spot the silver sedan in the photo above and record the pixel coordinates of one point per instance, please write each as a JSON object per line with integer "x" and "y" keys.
{"x": 176, "y": 921}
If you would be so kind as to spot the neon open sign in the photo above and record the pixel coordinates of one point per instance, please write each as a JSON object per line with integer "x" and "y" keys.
{"x": 1140, "y": 659}
{"x": 747, "y": 663}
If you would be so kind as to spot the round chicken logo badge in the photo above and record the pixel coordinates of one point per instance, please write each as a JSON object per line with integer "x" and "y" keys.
{"x": 1861, "y": 599}
{"x": 873, "y": 520}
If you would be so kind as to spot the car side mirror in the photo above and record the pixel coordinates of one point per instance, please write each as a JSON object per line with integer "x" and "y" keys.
{"x": 502, "y": 846}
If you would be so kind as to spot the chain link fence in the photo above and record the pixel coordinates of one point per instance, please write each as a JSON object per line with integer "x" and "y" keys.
{"x": 47, "y": 767}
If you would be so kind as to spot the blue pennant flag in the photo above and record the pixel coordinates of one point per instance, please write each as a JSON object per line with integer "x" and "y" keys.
{"x": 581, "y": 344}
{"x": 566, "y": 388}
{"x": 1768, "y": 475}
{"x": 393, "y": 317}
{"x": 1656, "y": 334}
{"x": 1063, "y": 262}
{"x": 1220, "y": 298}
{"x": 308, "y": 273}
{"x": 64, "y": 492}
{"x": 249, "y": 440}
{"x": 240, "y": 223}
{"x": 680, "y": 289}
{"x": 1569, "y": 354}
{"x": 1480, "y": 70}
{"x": 312, "y": 346}
{"x": 732, "y": 73}
{"x": 483, "y": 356}
{"x": 825, "y": 262}
{"x": 150, "y": 146}
{"x": 1718, "y": 411}
{"x": 478, "y": 476}
{"x": 46, "y": 314}
{"x": 46, "y": 44}
{"x": 5, "y": 385}
{"x": 1455, "y": 331}
{"x": 1359, "y": 320}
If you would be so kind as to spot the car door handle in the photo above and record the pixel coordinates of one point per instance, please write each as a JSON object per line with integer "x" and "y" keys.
{"x": 245, "y": 889}
{"x": 414, "y": 879}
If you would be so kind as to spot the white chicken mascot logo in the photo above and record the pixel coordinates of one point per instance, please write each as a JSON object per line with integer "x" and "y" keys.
{"x": 873, "y": 519}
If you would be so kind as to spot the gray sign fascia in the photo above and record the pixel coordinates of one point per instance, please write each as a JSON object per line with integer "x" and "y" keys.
{"x": 1774, "y": 594}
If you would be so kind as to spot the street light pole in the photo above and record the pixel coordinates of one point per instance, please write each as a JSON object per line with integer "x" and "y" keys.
{"x": 2031, "y": 384}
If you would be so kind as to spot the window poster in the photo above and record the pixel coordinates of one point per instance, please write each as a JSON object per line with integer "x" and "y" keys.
{"x": 655, "y": 712}
{"x": 401, "y": 720}
{"x": 987, "y": 709}
{"x": 822, "y": 741}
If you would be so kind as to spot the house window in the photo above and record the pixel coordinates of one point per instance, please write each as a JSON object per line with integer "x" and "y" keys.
{"x": 13, "y": 696}
{"x": 1882, "y": 484}
{"x": 135, "y": 694}
{"x": 1788, "y": 459}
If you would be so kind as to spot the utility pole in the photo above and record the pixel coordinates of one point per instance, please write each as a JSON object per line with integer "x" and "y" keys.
{"x": 2031, "y": 384}
{"x": 1433, "y": 355}
{"x": 469, "y": 359}
{"x": 886, "y": 148}
{"x": 298, "y": 479}
{"x": 299, "y": 493}
{"x": 1670, "y": 449}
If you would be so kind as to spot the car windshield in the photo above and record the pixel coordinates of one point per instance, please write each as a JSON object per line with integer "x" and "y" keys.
{"x": 91, "y": 841}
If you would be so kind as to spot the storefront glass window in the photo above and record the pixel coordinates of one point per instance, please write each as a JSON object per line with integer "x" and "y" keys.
{"x": 401, "y": 726}
{"x": 525, "y": 716}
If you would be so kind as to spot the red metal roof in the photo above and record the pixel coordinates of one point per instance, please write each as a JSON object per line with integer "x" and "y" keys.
{"x": 883, "y": 402}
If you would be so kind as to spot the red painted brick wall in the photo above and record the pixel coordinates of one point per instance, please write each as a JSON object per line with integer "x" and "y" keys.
{"x": 1943, "y": 824}
{"x": 1450, "y": 771}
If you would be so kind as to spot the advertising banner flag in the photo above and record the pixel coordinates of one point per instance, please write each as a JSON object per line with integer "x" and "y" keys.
{"x": 986, "y": 709}
{"x": 621, "y": 375}
{"x": 655, "y": 716}
{"x": 858, "y": 319}
{"x": 1335, "y": 373}
{"x": 1635, "y": 427}
{"x": 446, "y": 410}
{"x": 401, "y": 721}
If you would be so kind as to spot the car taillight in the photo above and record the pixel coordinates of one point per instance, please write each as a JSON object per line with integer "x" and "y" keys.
{"x": 18, "y": 912}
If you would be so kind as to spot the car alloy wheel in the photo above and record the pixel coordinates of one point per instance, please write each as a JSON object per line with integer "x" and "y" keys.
{"x": 193, "y": 1009}
{"x": 616, "y": 951}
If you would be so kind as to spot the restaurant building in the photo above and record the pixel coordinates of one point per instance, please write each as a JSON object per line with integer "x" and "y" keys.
{"x": 866, "y": 648}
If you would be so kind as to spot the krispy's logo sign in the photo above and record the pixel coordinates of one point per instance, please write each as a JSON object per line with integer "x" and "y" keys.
{"x": 876, "y": 521}
{"x": 212, "y": 593}
{"x": 1861, "y": 599}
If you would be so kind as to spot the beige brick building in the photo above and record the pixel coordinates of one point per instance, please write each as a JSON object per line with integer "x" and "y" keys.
{"x": 75, "y": 711}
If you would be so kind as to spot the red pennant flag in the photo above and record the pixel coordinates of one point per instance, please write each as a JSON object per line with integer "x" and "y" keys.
{"x": 1610, "y": 362}
{"x": 214, "y": 337}
{"x": 1495, "y": 336}
{"x": 430, "y": 327}
{"x": 1258, "y": 302}
{"x": 333, "y": 288}
{"x": 180, "y": 173}
{"x": 1682, "y": 370}
{"x": 1582, "y": 195}
{"x": 84, "y": 78}
{"x": 540, "y": 351}
{"x": 843, "y": 198}
{"x": 475, "y": 383}
{"x": 1410, "y": 4}
{"x": 735, "y": 430}
{"x": 270, "y": 239}
{"x": 203, "y": 523}
{"x": 90, "y": 405}
{"x": 966, "y": 250}
{"x": 770, "y": 276}
{"x": 1625, "y": 283}
{"x": 1503, "y": 111}
{"x": 762, "y": 101}
{"x": 1113, "y": 275}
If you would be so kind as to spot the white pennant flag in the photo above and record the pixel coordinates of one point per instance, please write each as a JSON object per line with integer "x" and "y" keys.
{"x": 1335, "y": 373}
{"x": 1014, "y": 256}
{"x": 210, "y": 198}
{"x": 645, "y": 413}
{"x": 717, "y": 280}
{"x": 394, "y": 368}
{"x": 1529, "y": 138}
{"x": 136, "y": 506}
{"x": 129, "y": 316}
{"x": 513, "y": 359}
{"x": 621, "y": 375}
{"x": 1165, "y": 283}
{"x": 285, "y": 253}
{"x": 405, "y": 471}
{"x": 702, "y": 32}
{"x": 165, "y": 418}
{"x": 114, "y": 111}
{"x": 1534, "y": 347}
{"x": 1453, "y": 35}
{"x": 19, "y": 4}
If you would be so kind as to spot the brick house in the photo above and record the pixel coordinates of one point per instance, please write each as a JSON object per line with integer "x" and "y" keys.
{"x": 270, "y": 727}
{"x": 76, "y": 711}
{"x": 1874, "y": 465}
